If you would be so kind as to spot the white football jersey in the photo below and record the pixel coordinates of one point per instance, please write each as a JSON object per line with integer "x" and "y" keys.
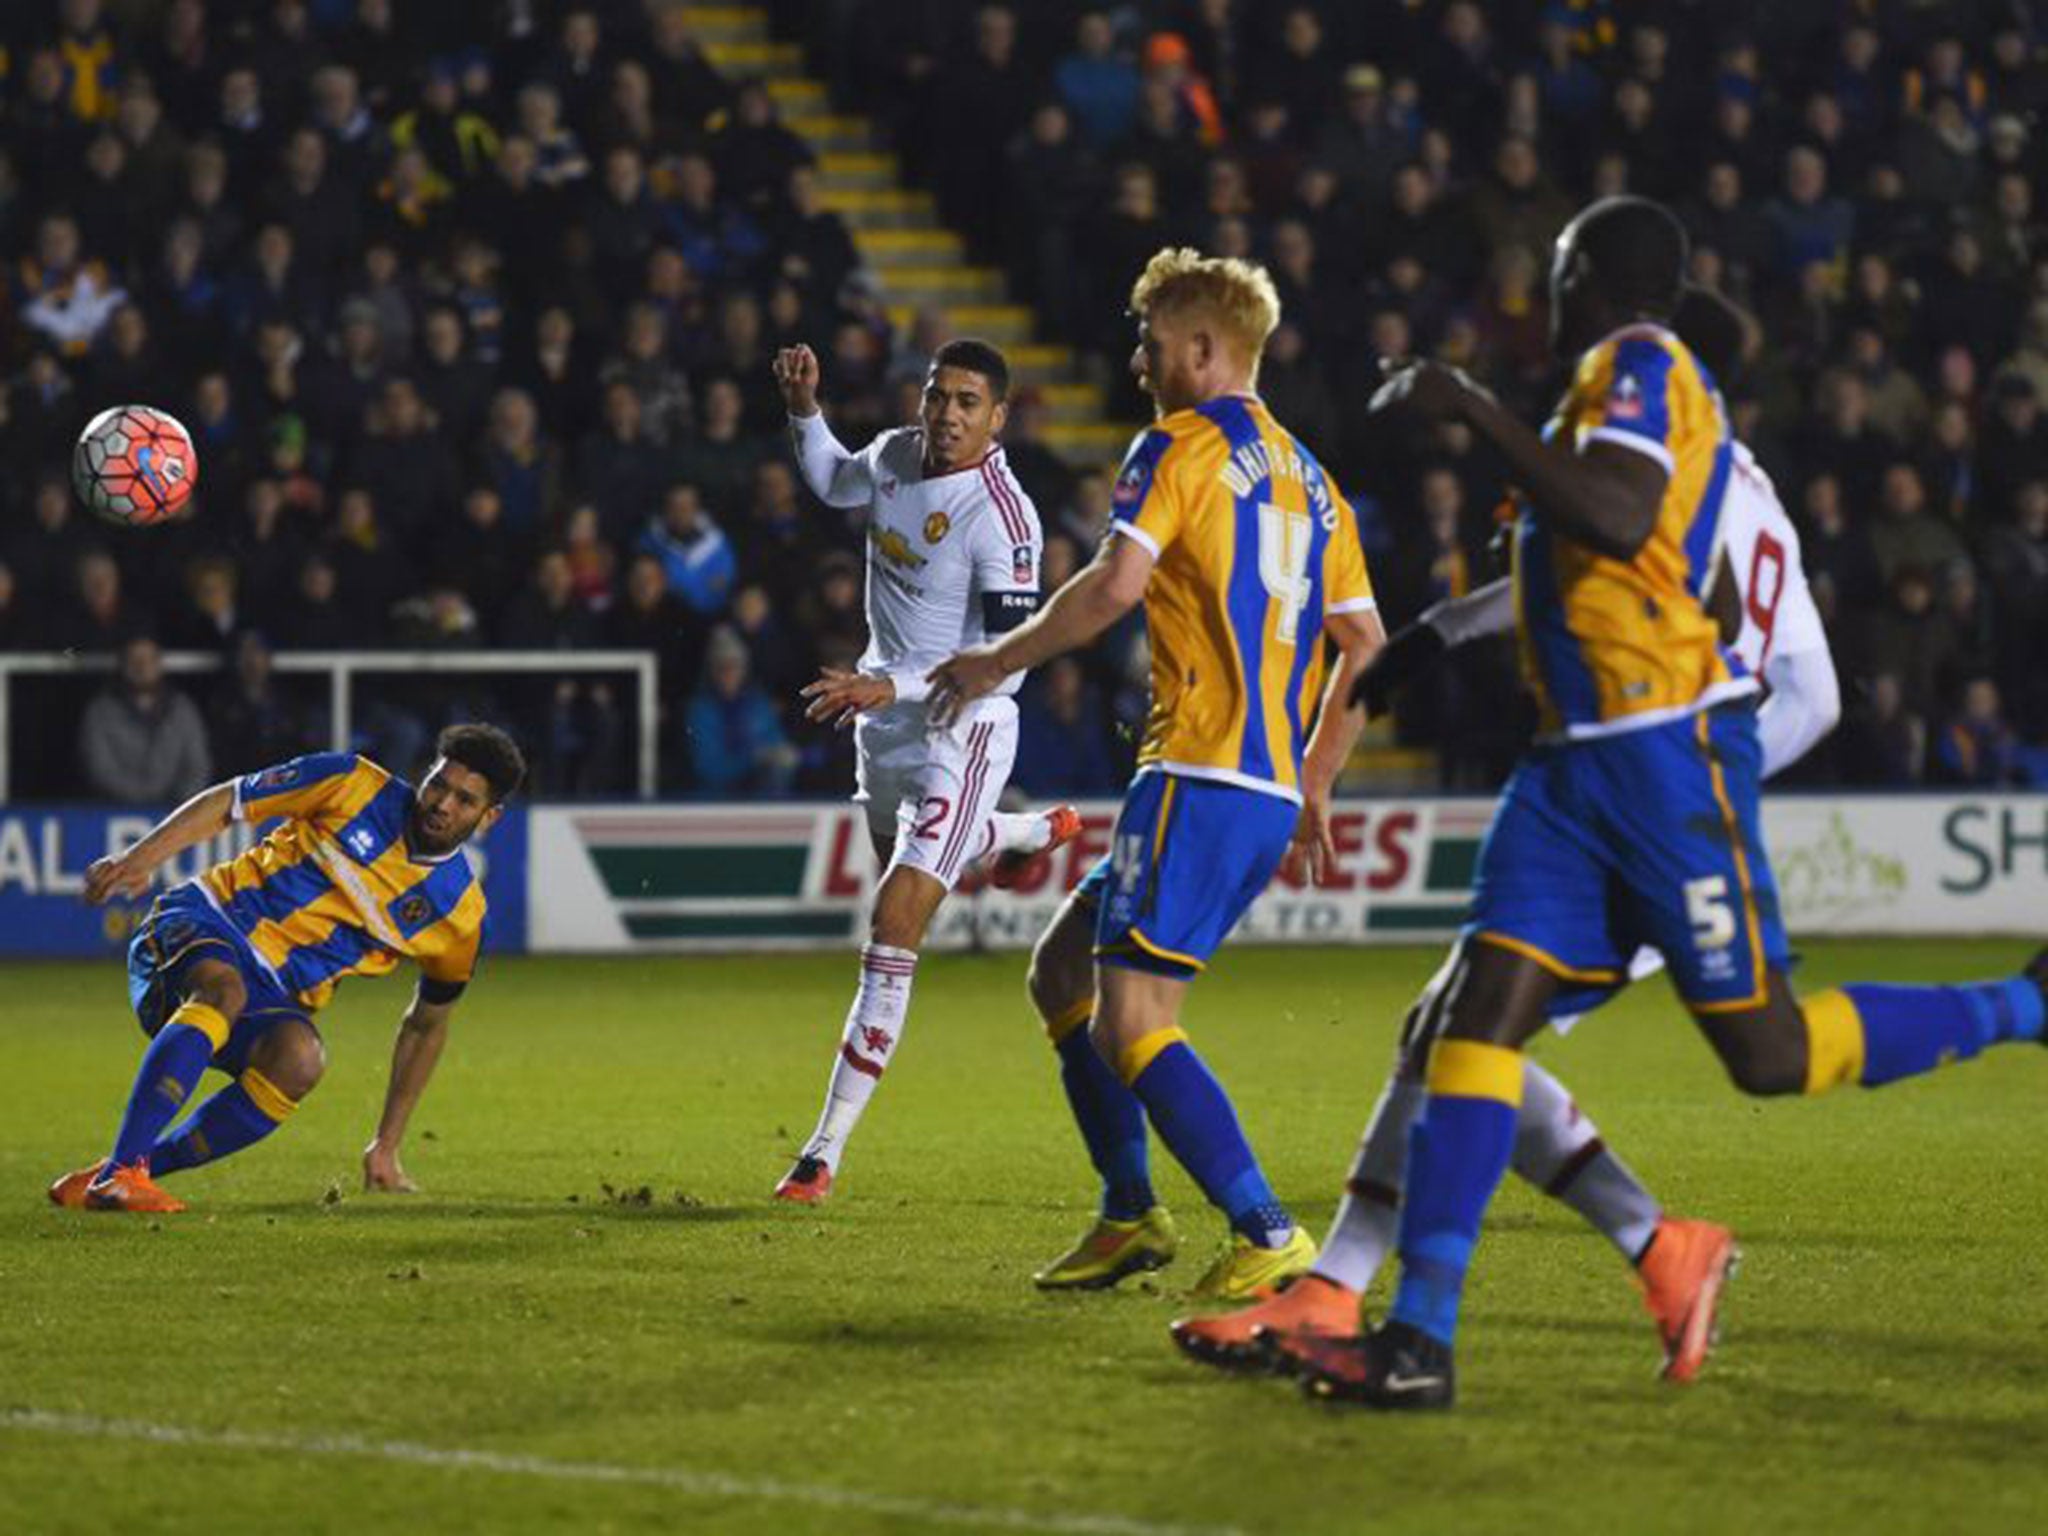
{"x": 1778, "y": 612}
{"x": 952, "y": 559}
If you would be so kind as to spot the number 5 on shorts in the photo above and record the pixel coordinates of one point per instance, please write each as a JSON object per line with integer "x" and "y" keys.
{"x": 1706, "y": 908}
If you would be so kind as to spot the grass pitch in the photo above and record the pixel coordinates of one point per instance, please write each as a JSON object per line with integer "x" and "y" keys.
{"x": 528, "y": 1346}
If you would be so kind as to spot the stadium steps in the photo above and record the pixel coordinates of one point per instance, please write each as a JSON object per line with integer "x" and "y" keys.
{"x": 749, "y": 59}
{"x": 864, "y": 170}
{"x": 880, "y": 248}
{"x": 880, "y": 207}
{"x": 918, "y": 262}
{"x": 1003, "y": 324}
{"x": 832, "y": 133}
{"x": 720, "y": 24}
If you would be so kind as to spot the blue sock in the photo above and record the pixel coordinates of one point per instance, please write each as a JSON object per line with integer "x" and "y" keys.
{"x": 239, "y": 1116}
{"x": 1192, "y": 1114}
{"x": 1112, "y": 1122}
{"x": 170, "y": 1070}
{"x": 1458, "y": 1152}
{"x": 1910, "y": 1030}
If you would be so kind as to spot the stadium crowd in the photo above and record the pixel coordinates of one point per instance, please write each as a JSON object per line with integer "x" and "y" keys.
{"x": 469, "y": 309}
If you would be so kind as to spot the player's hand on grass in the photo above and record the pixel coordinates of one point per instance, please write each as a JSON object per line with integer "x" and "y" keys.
{"x": 1406, "y": 656}
{"x": 960, "y": 680}
{"x": 123, "y": 875}
{"x": 1312, "y": 851}
{"x": 839, "y": 696}
{"x": 381, "y": 1171}
{"x": 796, "y": 375}
{"x": 1431, "y": 390}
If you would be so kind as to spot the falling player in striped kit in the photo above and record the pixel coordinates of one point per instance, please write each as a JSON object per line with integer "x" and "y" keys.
{"x": 953, "y": 558}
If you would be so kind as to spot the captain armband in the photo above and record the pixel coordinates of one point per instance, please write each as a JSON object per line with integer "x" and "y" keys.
{"x": 1004, "y": 611}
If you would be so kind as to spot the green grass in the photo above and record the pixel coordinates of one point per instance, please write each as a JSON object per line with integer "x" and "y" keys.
{"x": 1885, "y": 1366}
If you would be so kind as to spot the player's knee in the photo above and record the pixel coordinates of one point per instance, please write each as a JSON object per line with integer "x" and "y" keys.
{"x": 1764, "y": 1069}
{"x": 293, "y": 1057}
{"x": 219, "y": 988}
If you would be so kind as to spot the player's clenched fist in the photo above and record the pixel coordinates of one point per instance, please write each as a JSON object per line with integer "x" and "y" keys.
{"x": 796, "y": 375}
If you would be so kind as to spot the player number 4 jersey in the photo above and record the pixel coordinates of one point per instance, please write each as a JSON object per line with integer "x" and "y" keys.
{"x": 1612, "y": 645}
{"x": 334, "y": 892}
{"x": 1255, "y": 546}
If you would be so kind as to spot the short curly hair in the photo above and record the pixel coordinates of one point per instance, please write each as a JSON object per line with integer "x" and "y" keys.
{"x": 486, "y": 750}
{"x": 1237, "y": 296}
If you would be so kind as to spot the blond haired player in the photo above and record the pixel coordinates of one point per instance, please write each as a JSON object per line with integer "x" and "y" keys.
{"x": 1246, "y": 557}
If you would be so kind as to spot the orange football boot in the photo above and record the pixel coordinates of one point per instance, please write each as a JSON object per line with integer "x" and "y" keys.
{"x": 1009, "y": 868}
{"x": 1682, "y": 1275}
{"x": 1249, "y": 1339}
{"x": 69, "y": 1191}
{"x": 808, "y": 1183}
{"x": 130, "y": 1188}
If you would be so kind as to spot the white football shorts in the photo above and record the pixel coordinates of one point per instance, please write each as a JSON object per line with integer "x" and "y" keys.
{"x": 932, "y": 790}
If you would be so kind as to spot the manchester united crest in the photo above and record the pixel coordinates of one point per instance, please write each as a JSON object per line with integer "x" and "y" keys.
{"x": 936, "y": 527}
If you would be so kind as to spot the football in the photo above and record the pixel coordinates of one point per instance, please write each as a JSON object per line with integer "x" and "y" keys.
{"x": 135, "y": 465}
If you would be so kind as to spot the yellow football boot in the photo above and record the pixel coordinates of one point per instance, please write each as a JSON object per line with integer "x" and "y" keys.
{"x": 1111, "y": 1250}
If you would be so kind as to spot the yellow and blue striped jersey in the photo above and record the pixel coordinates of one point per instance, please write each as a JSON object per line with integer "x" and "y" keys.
{"x": 1254, "y": 545}
{"x": 1610, "y": 645}
{"x": 334, "y": 892}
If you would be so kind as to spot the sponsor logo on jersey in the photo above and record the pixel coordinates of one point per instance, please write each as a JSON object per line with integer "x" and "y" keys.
{"x": 936, "y": 527}
{"x": 273, "y": 778}
{"x": 895, "y": 548}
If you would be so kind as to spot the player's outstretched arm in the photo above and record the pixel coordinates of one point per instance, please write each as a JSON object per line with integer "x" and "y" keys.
{"x": 836, "y": 477}
{"x": 421, "y": 1035}
{"x": 1605, "y": 497}
{"x": 1108, "y": 588}
{"x": 128, "y": 874}
{"x": 1805, "y": 703}
{"x": 1414, "y": 648}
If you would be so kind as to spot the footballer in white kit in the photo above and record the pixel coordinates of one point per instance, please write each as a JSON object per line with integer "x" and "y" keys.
{"x": 953, "y": 555}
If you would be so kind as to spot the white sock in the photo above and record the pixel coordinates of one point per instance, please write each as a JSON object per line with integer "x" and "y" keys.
{"x": 874, "y": 1025}
{"x": 1369, "y": 1215}
{"x": 1560, "y": 1151}
{"x": 1009, "y": 832}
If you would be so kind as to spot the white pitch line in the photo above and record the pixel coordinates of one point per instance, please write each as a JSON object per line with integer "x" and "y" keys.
{"x": 709, "y": 1485}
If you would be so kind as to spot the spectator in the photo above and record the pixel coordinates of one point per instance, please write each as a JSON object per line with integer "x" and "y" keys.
{"x": 1977, "y": 747}
{"x": 102, "y": 616}
{"x": 1906, "y": 532}
{"x": 620, "y": 470}
{"x": 738, "y": 748}
{"x": 696, "y": 560}
{"x": 403, "y": 462}
{"x": 2012, "y": 449}
{"x": 61, "y": 293}
{"x": 209, "y": 619}
{"x": 142, "y": 741}
{"x": 648, "y": 617}
{"x": 1097, "y": 86}
{"x": 251, "y": 722}
{"x": 479, "y": 555}
{"x": 1062, "y": 742}
{"x": 522, "y": 467}
{"x": 1884, "y": 744}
